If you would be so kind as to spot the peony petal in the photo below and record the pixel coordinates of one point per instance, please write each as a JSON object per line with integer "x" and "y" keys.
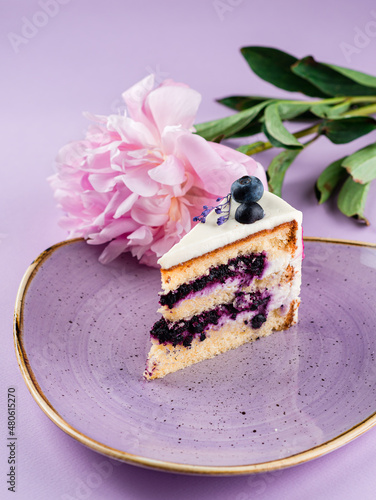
{"x": 173, "y": 105}
{"x": 149, "y": 259}
{"x": 179, "y": 190}
{"x": 100, "y": 220}
{"x": 163, "y": 245}
{"x": 169, "y": 139}
{"x": 168, "y": 82}
{"x": 139, "y": 182}
{"x": 252, "y": 166}
{"x": 148, "y": 218}
{"x": 126, "y": 205}
{"x": 142, "y": 236}
{"x": 185, "y": 217}
{"x": 94, "y": 201}
{"x": 155, "y": 204}
{"x": 102, "y": 182}
{"x": 113, "y": 250}
{"x": 135, "y": 96}
{"x": 182, "y": 190}
{"x": 85, "y": 183}
{"x": 116, "y": 198}
{"x": 260, "y": 173}
{"x": 122, "y": 160}
{"x": 72, "y": 154}
{"x": 113, "y": 230}
{"x": 131, "y": 131}
{"x": 215, "y": 175}
{"x": 170, "y": 172}
{"x": 99, "y": 162}
{"x": 99, "y": 136}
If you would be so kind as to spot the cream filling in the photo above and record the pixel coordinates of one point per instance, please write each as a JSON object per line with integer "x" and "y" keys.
{"x": 164, "y": 359}
{"x": 282, "y": 294}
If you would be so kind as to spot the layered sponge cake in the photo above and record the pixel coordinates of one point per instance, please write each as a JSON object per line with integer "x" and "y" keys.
{"x": 225, "y": 284}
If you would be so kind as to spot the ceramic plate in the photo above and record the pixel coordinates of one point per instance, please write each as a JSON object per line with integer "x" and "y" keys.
{"x": 82, "y": 336}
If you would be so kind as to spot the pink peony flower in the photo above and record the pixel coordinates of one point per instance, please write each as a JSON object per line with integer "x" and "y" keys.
{"x": 137, "y": 180}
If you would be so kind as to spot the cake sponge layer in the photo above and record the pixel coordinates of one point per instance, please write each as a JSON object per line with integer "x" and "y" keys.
{"x": 225, "y": 294}
{"x": 280, "y": 245}
{"x": 165, "y": 358}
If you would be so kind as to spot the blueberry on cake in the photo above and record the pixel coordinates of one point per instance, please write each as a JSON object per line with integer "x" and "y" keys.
{"x": 234, "y": 278}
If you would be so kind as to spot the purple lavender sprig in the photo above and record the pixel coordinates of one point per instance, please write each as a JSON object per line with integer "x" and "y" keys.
{"x": 223, "y": 208}
{"x": 204, "y": 214}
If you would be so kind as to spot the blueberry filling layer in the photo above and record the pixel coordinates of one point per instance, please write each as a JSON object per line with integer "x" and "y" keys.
{"x": 245, "y": 267}
{"x": 184, "y": 331}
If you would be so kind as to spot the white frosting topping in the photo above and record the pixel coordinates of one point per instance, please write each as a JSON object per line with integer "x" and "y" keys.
{"x": 208, "y": 236}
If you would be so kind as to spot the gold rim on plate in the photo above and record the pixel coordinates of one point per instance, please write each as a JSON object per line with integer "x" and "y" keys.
{"x": 49, "y": 410}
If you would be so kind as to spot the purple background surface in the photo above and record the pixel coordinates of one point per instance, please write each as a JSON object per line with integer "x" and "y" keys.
{"x": 81, "y": 57}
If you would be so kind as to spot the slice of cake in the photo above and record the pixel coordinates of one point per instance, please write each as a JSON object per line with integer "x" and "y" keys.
{"x": 230, "y": 280}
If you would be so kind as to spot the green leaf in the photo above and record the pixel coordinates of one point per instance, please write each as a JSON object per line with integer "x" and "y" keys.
{"x": 307, "y": 116}
{"x": 352, "y": 199}
{"x": 278, "y": 168}
{"x": 240, "y": 102}
{"x": 251, "y": 149}
{"x": 321, "y": 110}
{"x": 252, "y": 128}
{"x": 274, "y": 66}
{"x": 287, "y": 109}
{"x": 329, "y": 180}
{"x": 219, "y": 139}
{"x": 274, "y": 142}
{"x": 325, "y": 111}
{"x": 345, "y": 130}
{"x": 277, "y": 130}
{"x": 356, "y": 76}
{"x": 361, "y": 165}
{"x": 328, "y": 80}
{"x": 339, "y": 109}
{"x": 291, "y": 109}
{"x": 228, "y": 126}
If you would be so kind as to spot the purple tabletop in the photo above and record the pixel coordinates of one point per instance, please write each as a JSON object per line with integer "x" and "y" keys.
{"x": 60, "y": 58}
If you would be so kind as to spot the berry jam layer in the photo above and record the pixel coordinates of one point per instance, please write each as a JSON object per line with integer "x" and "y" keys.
{"x": 184, "y": 331}
{"x": 244, "y": 268}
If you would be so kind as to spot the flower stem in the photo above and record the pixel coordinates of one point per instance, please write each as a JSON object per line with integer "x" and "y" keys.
{"x": 307, "y": 131}
{"x": 362, "y": 111}
{"x": 338, "y": 100}
{"x": 263, "y": 146}
{"x": 311, "y": 140}
{"x": 369, "y": 109}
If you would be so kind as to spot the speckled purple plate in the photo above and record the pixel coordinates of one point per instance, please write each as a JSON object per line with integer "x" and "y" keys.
{"x": 82, "y": 336}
